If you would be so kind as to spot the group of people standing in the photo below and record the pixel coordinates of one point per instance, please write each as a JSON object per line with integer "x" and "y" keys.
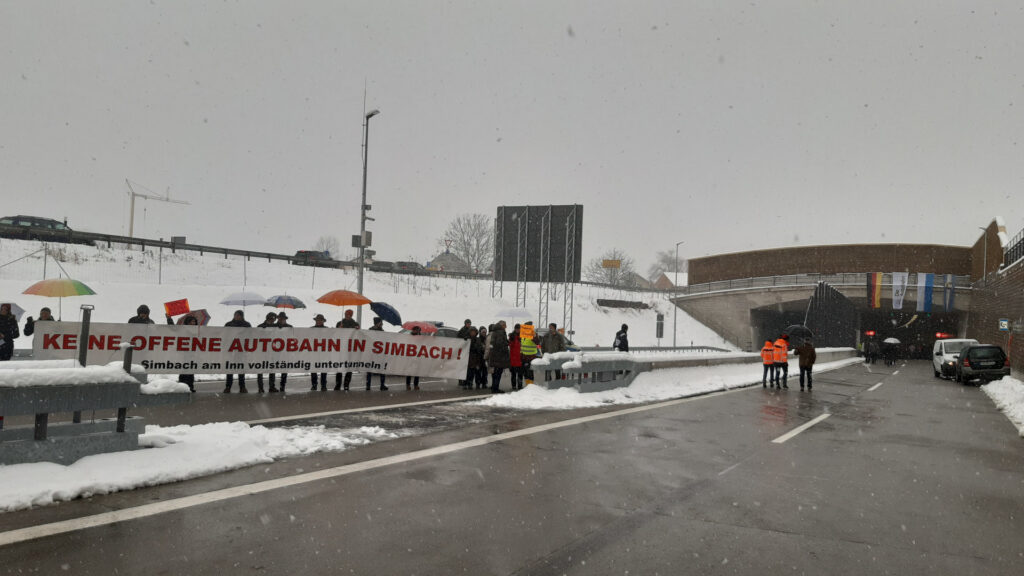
{"x": 9, "y": 328}
{"x": 775, "y": 360}
{"x": 492, "y": 348}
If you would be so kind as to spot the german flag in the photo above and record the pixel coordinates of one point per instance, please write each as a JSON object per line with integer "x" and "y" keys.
{"x": 874, "y": 289}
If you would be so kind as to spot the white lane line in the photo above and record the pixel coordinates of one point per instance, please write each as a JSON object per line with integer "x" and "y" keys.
{"x": 896, "y": 372}
{"x": 800, "y": 429}
{"x": 875, "y": 387}
{"x": 146, "y": 510}
{"x": 364, "y": 409}
{"x": 729, "y": 469}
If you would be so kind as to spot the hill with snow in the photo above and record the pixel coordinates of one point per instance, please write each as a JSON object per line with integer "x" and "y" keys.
{"x": 125, "y": 278}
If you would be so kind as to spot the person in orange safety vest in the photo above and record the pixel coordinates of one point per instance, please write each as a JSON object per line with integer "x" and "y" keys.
{"x": 781, "y": 358}
{"x": 768, "y": 360}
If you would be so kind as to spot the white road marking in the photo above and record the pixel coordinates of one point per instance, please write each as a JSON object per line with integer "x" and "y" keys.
{"x": 896, "y": 372}
{"x": 875, "y": 387}
{"x": 364, "y": 409}
{"x": 729, "y": 469}
{"x": 147, "y": 510}
{"x": 800, "y": 429}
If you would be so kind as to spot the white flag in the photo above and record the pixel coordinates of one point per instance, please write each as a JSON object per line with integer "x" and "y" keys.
{"x": 899, "y": 288}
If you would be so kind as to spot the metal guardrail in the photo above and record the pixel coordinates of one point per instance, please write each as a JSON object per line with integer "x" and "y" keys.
{"x": 963, "y": 282}
{"x": 1014, "y": 250}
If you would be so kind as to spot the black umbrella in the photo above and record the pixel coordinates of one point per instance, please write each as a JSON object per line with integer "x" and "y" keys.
{"x": 799, "y": 331}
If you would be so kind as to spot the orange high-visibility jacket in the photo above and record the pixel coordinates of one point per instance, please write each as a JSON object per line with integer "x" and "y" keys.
{"x": 768, "y": 352}
{"x": 781, "y": 355}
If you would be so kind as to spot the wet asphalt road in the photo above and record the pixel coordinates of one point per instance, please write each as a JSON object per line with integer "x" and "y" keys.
{"x": 919, "y": 476}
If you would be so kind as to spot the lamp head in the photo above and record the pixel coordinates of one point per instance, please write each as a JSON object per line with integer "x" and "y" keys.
{"x": 372, "y": 113}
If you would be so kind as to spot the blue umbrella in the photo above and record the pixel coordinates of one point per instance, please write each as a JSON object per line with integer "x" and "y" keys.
{"x": 387, "y": 312}
{"x": 284, "y": 301}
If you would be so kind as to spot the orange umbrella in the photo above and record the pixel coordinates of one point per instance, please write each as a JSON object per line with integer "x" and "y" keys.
{"x": 59, "y": 288}
{"x": 343, "y": 298}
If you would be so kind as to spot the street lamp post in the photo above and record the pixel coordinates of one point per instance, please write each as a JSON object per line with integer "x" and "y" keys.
{"x": 675, "y": 310}
{"x": 984, "y": 262}
{"x": 362, "y": 210}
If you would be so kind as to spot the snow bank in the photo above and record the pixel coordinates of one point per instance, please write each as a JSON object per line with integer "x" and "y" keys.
{"x": 176, "y": 453}
{"x": 163, "y": 386}
{"x": 648, "y": 387}
{"x": 1008, "y": 396}
{"x": 63, "y": 376}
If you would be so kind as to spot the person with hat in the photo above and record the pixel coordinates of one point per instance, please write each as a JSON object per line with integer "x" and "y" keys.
{"x": 621, "y": 342}
{"x": 464, "y": 333}
{"x": 237, "y": 321}
{"x": 30, "y": 324}
{"x": 282, "y": 322}
{"x": 378, "y": 325}
{"x": 347, "y": 322}
{"x": 269, "y": 322}
{"x": 141, "y": 316}
{"x": 318, "y": 322}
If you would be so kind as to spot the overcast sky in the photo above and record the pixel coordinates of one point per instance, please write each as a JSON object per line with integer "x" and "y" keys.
{"x": 727, "y": 125}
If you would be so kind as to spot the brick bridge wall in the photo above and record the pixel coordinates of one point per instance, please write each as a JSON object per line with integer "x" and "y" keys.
{"x": 1001, "y": 295}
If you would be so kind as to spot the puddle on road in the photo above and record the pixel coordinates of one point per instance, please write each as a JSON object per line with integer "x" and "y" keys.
{"x": 412, "y": 420}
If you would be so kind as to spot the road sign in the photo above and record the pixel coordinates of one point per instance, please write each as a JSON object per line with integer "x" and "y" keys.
{"x": 611, "y": 263}
{"x": 1004, "y": 324}
{"x": 659, "y": 326}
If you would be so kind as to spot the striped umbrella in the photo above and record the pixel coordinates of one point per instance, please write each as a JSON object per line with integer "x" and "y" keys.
{"x": 59, "y": 288}
{"x": 284, "y": 301}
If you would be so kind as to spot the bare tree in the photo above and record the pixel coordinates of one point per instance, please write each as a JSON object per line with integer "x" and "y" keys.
{"x": 624, "y": 275}
{"x": 471, "y": 238}
{"x": 665, "y": 263}
{"x": 327, "y": 244}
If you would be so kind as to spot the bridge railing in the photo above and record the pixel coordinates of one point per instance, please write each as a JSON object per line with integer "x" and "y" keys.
{"x": 840, "y": 279}
{"x": 1014, "y": 250}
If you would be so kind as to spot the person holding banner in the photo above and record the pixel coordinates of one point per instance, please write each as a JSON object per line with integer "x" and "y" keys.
{"x": 378, "y": 325}
{"x": 481, "y": 372}
{"x": 476, "y": 360}
{"x": 237, "y": 321}
{"x": 318, "y": 322}
{"x": 187, "y": 379}
{"x": 269, "y": 322}
{"x": 347, "y": 322}
{"x": 413, "y": 380}
{"x": 499, "y": 359}
{"x": 282, "y": 322}
{"x": 141, "y": 316}
{"x": 30, "y": 324}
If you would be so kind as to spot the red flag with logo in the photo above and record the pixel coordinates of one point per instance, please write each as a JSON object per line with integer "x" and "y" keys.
{"x": 177, "y": 307}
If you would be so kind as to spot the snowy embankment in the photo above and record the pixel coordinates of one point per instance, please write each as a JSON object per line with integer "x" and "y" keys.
{"x": 650, "y": 387}
{"x": 176, "y": 453}
{"x": 1008, "y": 396}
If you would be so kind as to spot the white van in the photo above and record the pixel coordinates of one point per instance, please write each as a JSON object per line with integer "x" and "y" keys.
{"x": 943, "y": 353}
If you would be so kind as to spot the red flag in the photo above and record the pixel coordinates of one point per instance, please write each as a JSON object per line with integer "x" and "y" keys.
{"x": 177, "y": 307}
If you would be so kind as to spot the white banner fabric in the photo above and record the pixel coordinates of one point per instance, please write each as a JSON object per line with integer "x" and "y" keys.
{"x": 899, "y": 289}
{"x": 163, "y": 349}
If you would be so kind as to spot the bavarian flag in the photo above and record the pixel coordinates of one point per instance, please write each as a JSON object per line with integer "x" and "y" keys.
{"x": 925, "y": 287}
{"x": 874, "y": 289}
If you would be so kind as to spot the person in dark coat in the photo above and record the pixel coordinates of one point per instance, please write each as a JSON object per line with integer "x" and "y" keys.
{"x": 499, "y": 359}
{"x": 318, "y": 322}
{"x": 622, "y": 339}
{"x": 515, "y": 358}
{"x": 413, "y": 381}
{"x": 481, "y": 372}
{"x": 30, "y": 324}
{"x": 807, "y": 358}
{"x": 269, "y": 322}
{"x": 8, "y": 332}
{"x": 378, "y": 325}
{"x": 141, "y": 316}
{"x": 476, "y": 359}
{"x": 282, "y": 322}
{"x": 467, "y": 326}
{"x": 347, "y": 322}
{"x": 237, "y": 321}
{"x": 187, "y": 379}
{"x": 551, "y": 343}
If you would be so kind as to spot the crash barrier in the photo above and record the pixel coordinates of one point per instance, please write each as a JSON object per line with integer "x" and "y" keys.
{"x": 604, "y": 371}
{"x": 839, "y": 279}
{"x": 623, "y": 304}
{"x": 88, "y": 389}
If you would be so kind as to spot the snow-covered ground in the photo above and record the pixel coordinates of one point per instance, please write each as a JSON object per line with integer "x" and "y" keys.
{"x": 123, "y": 279}
{"x": 1008, "y": 395}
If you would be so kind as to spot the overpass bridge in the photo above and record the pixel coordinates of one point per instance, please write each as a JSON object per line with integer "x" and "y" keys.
{"x": 747, "y": 311}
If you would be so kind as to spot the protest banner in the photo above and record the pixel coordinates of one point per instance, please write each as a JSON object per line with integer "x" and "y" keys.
{"x": 163, "y": 349}
{"x": 176, "y": 307}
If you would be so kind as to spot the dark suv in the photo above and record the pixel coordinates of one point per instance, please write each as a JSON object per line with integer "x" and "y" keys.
{"x": 34, "y": 228}
{"x": 314, "y": 258}
{"x": 984, "y": 362}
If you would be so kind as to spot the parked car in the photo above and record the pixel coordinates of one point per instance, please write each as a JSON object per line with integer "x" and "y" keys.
{"x": 314, "y": 258}
{"x": 403, "y": 267}
{"x": 35, "y": 228}
{"x": 382, "y": 266}
{"x": 944, "y": 355}
{"x": 983, "y": 362}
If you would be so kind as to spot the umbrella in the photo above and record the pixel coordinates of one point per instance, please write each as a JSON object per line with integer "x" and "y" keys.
{"x": 798, "y": 331}
{"x": 201, "y": 315}
{"x": 15, "y": 309}
{"x": 387, "y": 312}
{"x": 512, "y": 313}
{"x": 243, "y": 299}
{"x": 59, "y": 288}
{"x": 343, "y": 298}
{"x": 284, "y": 301}
{"x": 425, "y": 327}
{"x": 890, "y": 341}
